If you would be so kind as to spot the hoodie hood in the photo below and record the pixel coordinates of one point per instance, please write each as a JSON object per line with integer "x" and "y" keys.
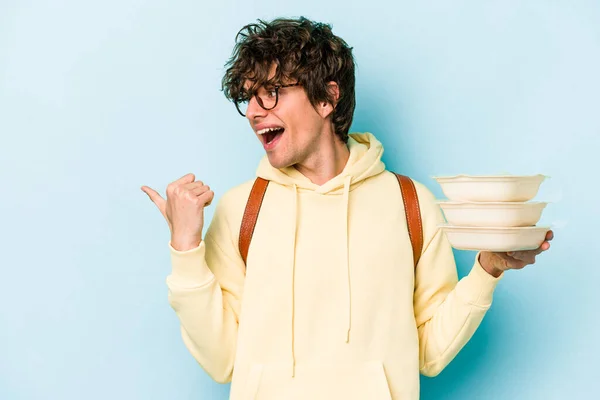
{"x": 364, "y": 162}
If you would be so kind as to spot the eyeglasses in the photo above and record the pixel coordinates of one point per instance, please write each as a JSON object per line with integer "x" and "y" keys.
{"x": 266, "y": 98}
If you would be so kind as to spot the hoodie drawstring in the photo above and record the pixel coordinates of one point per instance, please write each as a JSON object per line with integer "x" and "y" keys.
{"x": 346, "y": 200}
{"x": 294, "y": 234}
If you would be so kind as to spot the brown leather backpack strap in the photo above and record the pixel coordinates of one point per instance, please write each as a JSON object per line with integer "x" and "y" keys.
{"x": 251, "y": 215}
{"x": 413, "y": 215}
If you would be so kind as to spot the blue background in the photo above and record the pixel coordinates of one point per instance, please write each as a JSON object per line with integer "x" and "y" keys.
{"x": 99, "y": 98}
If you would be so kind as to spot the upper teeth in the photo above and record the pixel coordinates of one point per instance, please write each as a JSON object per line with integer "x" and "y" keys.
{"x": 263, "y": 131}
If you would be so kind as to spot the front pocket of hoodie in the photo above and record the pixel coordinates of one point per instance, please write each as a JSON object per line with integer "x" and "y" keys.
{"x": 318, "y": 382}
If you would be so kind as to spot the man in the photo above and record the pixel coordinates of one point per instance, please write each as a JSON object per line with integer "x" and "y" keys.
{"x": 329, "y": 304}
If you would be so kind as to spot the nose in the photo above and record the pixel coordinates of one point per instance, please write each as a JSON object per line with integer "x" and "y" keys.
{"x": 254, "y": 109}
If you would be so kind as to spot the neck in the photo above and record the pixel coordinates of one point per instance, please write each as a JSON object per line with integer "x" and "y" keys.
{"x": 327, "y": 162}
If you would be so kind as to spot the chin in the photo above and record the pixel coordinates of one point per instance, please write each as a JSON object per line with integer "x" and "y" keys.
{"x": 278, "y": 163}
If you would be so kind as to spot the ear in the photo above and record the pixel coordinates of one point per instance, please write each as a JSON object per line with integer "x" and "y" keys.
{"x": 325, "y": 107}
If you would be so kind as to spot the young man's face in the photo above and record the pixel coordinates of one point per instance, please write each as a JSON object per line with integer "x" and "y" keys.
{"x": 302, "y": 126}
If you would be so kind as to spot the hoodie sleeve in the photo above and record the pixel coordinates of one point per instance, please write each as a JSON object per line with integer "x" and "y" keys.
{"x": 205, "y": 290}
{"x": 447, "y": 311}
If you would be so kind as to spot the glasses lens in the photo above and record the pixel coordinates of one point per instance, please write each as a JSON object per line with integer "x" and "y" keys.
{"x": 266, "y": 98}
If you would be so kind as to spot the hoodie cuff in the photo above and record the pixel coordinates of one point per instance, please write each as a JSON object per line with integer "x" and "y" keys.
{"x": 477, "y": 288}
{"x": 189, "y": 267}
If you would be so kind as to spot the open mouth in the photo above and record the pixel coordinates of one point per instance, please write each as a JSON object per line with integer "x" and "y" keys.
{"x": 272, "y": 135}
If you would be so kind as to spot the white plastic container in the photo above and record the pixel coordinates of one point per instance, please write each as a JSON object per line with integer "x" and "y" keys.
{"x": 490, "y": 188}
{"x": 495, "y": 239}
{"x": 496, "y": 214}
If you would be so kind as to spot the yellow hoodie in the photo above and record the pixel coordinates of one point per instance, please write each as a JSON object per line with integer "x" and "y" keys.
{"x": 329, "y": 306}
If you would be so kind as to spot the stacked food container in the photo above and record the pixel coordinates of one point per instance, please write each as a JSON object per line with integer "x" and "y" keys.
{"x": 492, "y": 213}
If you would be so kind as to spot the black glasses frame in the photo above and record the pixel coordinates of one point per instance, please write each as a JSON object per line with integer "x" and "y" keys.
{"x": 259, "y": 101}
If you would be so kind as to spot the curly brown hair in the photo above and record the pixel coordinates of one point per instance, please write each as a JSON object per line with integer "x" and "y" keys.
{"x": 302, "y": 50}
